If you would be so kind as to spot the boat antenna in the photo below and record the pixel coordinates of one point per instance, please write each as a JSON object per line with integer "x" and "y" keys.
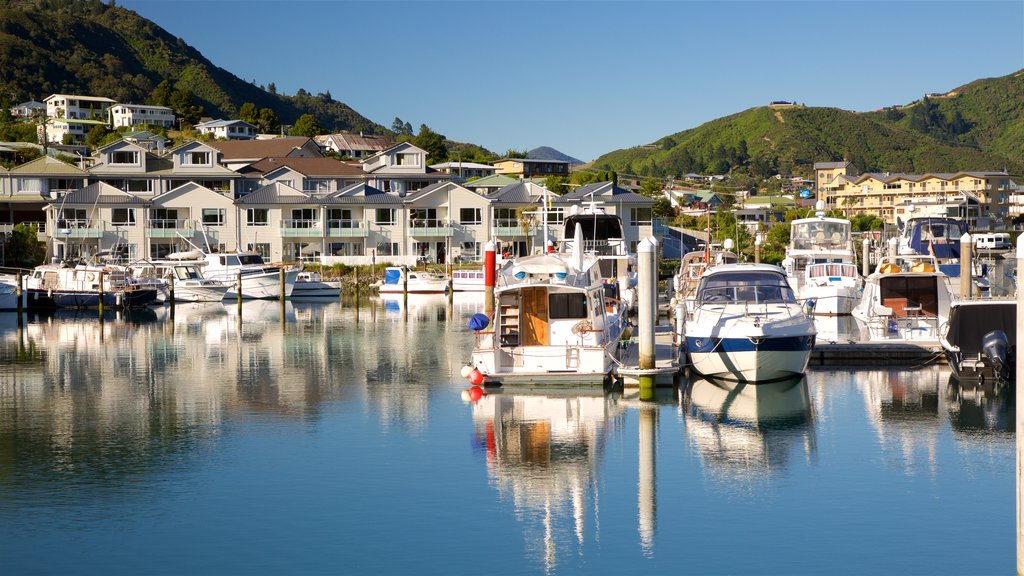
{"x": 577, "y": 247}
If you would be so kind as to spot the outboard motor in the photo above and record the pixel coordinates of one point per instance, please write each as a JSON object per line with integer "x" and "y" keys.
{"x": 994, "y": 347}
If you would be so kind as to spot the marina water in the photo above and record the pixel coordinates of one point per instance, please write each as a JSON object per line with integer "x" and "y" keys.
{"x": 326, "y": 438}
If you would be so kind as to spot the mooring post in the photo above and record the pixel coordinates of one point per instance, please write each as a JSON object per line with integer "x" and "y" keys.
{"x": 281, "y": 274}
{"x": 238, "y": 291}
{"x": 489, "y": 273}
{"x": 355, "y": 270}
{"x": 893, "y": 243}
{"x": 20, "y": 293}
{"x": 757, "y": 249}
{"x": 865, "y": 265}
{"x": 647, "y": 302}
{"x": 170, "y": 292}
{"x": 965, "y": 266}
{"x": 100, "y": 275}
{"x": 656, "y": 275}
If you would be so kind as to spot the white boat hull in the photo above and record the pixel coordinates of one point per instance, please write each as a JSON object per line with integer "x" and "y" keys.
{"x": 208, "y": 293}
{"x": 316, "y": 290}
{"x": 749, "y": 365}
{"x": 831, "y": 300}
{"x": 263, "y": 286}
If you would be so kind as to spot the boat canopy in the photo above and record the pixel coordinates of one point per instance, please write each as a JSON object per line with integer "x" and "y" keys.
{"x": 595, "y": 226}
{"x": 745, "y": 287}
{"x": 969, "y": 323}
{"x": 820, "y": 234}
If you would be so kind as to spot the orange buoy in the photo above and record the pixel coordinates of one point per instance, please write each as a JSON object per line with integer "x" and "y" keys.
{"x": 476, "y": 377}
{"x": 475, "y": 393}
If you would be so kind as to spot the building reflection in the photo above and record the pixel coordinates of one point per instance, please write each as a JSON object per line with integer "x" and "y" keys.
{"x": 543, "y": 450}
{"x": 747, "y": 431}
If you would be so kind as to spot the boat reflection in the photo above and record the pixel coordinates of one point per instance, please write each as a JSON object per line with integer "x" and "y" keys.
{"x": 542, "y": 450}
{"x": 980, "y": 411}
{"x": 744, "y": 431}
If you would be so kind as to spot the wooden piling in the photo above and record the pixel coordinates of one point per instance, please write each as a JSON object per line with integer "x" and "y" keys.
{"x": 965, "y": 266}
{"x": 20, "y": 293}
{"x": 281, "y": 274}
{"x": 100, "y": 303}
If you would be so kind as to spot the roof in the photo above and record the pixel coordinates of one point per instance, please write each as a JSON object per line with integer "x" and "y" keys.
{"x": 361, "y": 194}
{"x": 218, "y": 123}
{"x": 533, "y": 160}
{"x": 48, "y": 165}
{"x": 516, "y": 193}
{"x": 604, "y": 192}
{"x": 354, "y": 141}
{"x": 78, "y": 97}
{"x": 765, "y": 201}
{"x": 311, "y": 167}
{"x": 255, "y": 149}
{"x": 146, "y": 106}
{"x": 100, "y": 193}
{"x": 492, "y": 181}
{"x": 277, "y": 193}
{"x": 830, "y": 165}
{"x": 457, "y": 165}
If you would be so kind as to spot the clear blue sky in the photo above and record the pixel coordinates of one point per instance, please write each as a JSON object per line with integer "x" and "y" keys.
{"x": 590, "y": 77}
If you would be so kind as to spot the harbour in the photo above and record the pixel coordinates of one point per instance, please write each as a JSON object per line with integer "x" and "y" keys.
{"x": 196, "y": 442}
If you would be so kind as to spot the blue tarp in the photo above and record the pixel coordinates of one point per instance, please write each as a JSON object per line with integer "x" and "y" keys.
{"x": 478, "y": 322}
{"x": 392, "y": 276}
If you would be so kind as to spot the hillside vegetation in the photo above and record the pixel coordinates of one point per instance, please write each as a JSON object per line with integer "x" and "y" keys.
{"x": 88, "y": 47}
{"x": 979, "y": 126}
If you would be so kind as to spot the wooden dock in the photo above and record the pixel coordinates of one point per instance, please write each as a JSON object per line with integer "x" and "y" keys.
{"x": 668, "y": 363}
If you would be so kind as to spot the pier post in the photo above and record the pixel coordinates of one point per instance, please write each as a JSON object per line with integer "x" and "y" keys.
{"x": 647, "y": 491}
{"x": 100, "y": 276}
{"x": 757, "y": 249}
{"x": 405, "y": 285}
{"x": 865, "y": 265}
{"x": 281, "y": 274}
{"x": 19, "y": 291}
{"x": 490, "y": 265}
{"x": 893, "y": 243}
{"x": 646, "y": 276}
{"x": 238, "y": 291}
{"x": 1019, "y": 399}
{"x": 965, "y": 266}
{"x": 170, "y": 291}
{"x": 655, "y": 252}
{"x": 355, "y": 270}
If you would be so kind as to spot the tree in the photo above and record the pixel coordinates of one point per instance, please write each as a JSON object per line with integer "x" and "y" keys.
{"x": 267, "y": 121}
{"x": 399, "y": 127}
{"x": 556, "y": 184}
{"x": 24, "y": 248}
{"x": 651, "y": 187}
{"x": 96, "y": 135}
{"x": 663, "y": 208}
{"x": 161, "y": 95}
{"x": 513, "y": 153}
{"x": 307, "y": 126}
{"x": 432, "y": 142}
{"x": 248, "y": 113}
{"x": 272, "y": 88}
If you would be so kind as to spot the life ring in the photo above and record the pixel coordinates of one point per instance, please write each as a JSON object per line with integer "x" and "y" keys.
{"x": 90, "y": 276}
{"x": 581, "y": 327}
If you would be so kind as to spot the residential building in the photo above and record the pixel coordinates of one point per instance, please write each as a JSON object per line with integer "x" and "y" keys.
{"x": 825, "y": 173}
{"x": 66, "y": 130}
{"x": 981, "y": 198}
{"x": 146, "y": 139}
{"x": 355, "y": 146}
{"x": 28, "y": 109}
{"x": 141, "y": 115}
{"x": 400, "y": 170}
{"x": 96, "y": 217}
{"x": 490, "y": 184}
{"x": 529, "y": 168}
{"x": 78, "y": 107}
{"x": 228, "y": 129}
{"x": 634, "y": 209}
{"x": 518, "y": 220}
{"x": 134, "y": 169}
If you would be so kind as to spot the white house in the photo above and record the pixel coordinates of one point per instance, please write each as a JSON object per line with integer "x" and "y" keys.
{"x": 141, "y": 114}
{"x": 28, "y": 109}
{"x": 78, "y": 107}
{"x": 228, "y": 129}
{"x": 400, "y": 169}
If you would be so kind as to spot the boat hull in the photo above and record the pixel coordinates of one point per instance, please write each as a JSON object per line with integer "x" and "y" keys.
{"x": 316, "y": 290}
{"x": 263, "y": 286}
{"x": 199, "y": 293}
{"x": 85, "y": 299}
{"x": 749, "y": 359}
{"x": 831, "y": 300}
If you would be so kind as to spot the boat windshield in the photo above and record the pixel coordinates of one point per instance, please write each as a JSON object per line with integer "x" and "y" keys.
{"x": 745, "y": 287}
{"x": 187, "y": 273}
{"x": 818, "y": 234}
{"x": 249, "y": 259}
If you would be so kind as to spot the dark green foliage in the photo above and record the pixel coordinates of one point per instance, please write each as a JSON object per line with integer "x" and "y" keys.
{"x": 513, "y": 153}
{"x": 23, "y": 247}
{"x": 556, "y": 184}
{"x": 307, "y": 126}
{"x": 433, "y": 143}
{"x": 88, "y": 47}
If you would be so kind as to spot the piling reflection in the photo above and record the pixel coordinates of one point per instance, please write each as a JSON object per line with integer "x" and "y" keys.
{"x": 746, "y": 431}
{"x": 543, "y": 451}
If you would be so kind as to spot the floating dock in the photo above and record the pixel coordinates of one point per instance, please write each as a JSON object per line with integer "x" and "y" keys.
{"x": 668, "y": 361}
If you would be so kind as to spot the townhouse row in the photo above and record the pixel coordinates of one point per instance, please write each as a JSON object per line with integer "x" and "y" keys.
{"x": 391, "y": 207}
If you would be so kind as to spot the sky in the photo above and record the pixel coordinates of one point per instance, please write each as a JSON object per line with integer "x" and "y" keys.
{"x": 589, "y": 77}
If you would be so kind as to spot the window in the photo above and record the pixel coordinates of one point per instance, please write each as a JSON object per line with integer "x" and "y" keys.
{"x": 387, "y": 249}
{"x": 341, "y": 218}
{"x": 406, "y": 159}
{"x": 556, "y": 216}
{"x": 122, "y": 217}
{"x": 469, "y": 216}
{"x": 197, "y": 159}
{"x": 257, "y": 216}
{"x": 214, "y": 216}
{"x": 470, "y": 251}
{"x": 316, "y": 186}
{"x": 567, "y": 306}
{"x": 640, "y": 216}
{"x": 124, "y": 157}
{"x": 163, "y": 218}
{"x": 302, "y": 218}
{"x": 261, "y": 248}
{"x": 386, "y": 217}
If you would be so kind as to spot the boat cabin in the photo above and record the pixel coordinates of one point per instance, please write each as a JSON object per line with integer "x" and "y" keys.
{"x": 745, "y": 287}
{"x": 820, "y": 234}
{"x": 938, "y": 237}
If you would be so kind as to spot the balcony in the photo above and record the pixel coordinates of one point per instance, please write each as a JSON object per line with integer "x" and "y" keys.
{"x": 346, "y": 229}
{"x": 168, "y": 228}
{"x": 508, "y": 227}
{"x": 300, "y": 228}
{"x": 430, "y": 228}
{"x": 79, "y": 228}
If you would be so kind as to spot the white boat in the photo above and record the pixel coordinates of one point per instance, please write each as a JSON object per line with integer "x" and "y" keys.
{"x": 67, "y": 285}
{"x": 259, "y": 279}
{"x": 553, "y": 322}
{"x": 821, "y": 266}
{"x": 310, "y": 284}
{"x": 979, "y": 339}
{"x": 187, "y": 280}
{"x": 468, "y": 280}
{"x": 906, "y": 298}
{"x": 934, "y": 236}
{"x": 692, "y": 267}
{"x": 8, "y": 293}
{"x": 602, "y": 237}
{"x": 394, "y": 282}
{"x": 747, "y": 325}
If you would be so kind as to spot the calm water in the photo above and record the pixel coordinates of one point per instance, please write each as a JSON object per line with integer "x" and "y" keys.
{"x": 312, "y": 440}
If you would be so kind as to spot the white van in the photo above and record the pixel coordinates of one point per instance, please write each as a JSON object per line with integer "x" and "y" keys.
{"x": 994, "y": 241}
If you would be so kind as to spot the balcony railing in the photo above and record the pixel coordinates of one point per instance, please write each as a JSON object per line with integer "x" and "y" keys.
{"x": 429, "y": 227}
{"x": 508, "y": 227}
{"x": 168, "y": 227}
{"x": 346, "y": 228}
{"x": 79, "y": 228}
{"x": 296, "y": 227}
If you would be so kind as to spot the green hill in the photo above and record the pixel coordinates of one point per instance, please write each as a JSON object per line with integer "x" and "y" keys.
{"x": 979, "y": 127}
{"x": 88, "y": 47}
